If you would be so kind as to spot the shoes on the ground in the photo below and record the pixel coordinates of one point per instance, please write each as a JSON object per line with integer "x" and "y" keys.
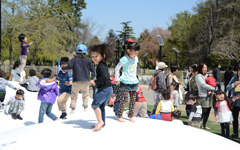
{"x": 85, "y": 109}
{"x": 73, "y": 111}
{"x": 207, "y": 128}
{"x": 234, "y": 136}
{"x": 63, "y": 116}
{"x": 19, "y": 117}
{"x": 14, "y": 116}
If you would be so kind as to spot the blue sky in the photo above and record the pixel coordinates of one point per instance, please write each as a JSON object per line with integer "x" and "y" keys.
{"x": 144, "y": 14}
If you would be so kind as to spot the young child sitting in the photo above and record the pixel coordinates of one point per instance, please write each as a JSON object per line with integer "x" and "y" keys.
{"x": 176, "y": 117}
{"x": 165, "y": 107}
{"x": 174, "y": 94}
{"x": 223, "y": 114}
{"x": 3, "y": 84}
{"x": 16, "y": 104}
{"x": 32, "y": 80}
{"x": 196, "y": 111}
{"x": 140, "y": 108}
{"x": 47, "y": 95}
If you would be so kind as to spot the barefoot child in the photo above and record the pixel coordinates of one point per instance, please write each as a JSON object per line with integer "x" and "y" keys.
{"x": 128, "y": 80}
{"x": 47, "y": 95}
{"x": 100, "y": 55}
{"x": 24, "y": 52}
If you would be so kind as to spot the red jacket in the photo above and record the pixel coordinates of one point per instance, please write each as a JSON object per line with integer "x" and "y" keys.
{"x": 211, "y": 81}
{"x": 140, "y": 94}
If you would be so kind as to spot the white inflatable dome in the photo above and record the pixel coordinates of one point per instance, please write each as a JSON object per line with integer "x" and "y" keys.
{"x": 75, "y": 132}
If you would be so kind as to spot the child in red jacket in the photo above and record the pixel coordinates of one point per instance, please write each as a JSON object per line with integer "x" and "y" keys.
{"x": 211, "y": 81}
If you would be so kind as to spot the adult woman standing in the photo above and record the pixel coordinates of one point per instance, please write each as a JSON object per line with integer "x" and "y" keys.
{"x": 235, "y": 85}
{"x": 172, "y": 76}
{"x": 203, "y": 99}
{"x": 191, "y": 84}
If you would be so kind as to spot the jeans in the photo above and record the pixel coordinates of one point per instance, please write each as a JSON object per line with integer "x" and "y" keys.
{"x": 100, "y": 100}
{"x": 219, "y": 86}
{"x": 229, "y": 92}
{"x": 188, "y": 109}
{"x": 225, "y": 127}
{"x": 46, "y": 108}
{"x": 94, "y": 90}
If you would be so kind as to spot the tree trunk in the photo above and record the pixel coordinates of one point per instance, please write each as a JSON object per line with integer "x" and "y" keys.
{"x": 10, "y": 55}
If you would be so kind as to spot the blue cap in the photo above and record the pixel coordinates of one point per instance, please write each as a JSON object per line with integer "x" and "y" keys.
{"x": 81, "y": 49}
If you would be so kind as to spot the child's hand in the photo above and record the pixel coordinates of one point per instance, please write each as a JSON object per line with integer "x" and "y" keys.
{"x": 136, "y": 103}
{"x": 68, "y": 83}
{"x": 19, "y": 81}
{"x": 92, "y": 82}
{"x": 216, "y": 118}
{"x": 117, "y": 82}
{"x": 30, "y": 43}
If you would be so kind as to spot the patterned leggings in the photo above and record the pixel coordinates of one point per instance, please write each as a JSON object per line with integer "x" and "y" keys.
{"x": 124, "y": 98}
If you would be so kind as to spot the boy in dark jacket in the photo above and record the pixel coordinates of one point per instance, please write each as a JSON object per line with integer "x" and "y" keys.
{"x": 81, "y": 66}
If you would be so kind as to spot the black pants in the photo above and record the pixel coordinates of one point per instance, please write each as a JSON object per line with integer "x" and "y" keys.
{"x": 205, "y": 115}
{"x": 225, "y": 127}
{"x": 235, "y": 113}
{"x": 188, "y": 109}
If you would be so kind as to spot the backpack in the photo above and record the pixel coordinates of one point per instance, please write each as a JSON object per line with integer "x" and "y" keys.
{"x": 153, "y": 83}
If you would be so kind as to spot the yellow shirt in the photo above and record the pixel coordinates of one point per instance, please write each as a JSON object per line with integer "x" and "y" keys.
{"x": 165, "y": 106}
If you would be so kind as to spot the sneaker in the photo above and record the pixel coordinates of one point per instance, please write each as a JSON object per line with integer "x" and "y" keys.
{"x": 19, "y": 117}
{"x": 63, "y": 116}
{"x": 14, "y": 116}
{"x": 85, "y": 109}
{"x": 73, "y": 111}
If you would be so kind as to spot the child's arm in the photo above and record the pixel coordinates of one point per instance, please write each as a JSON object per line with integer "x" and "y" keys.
{"x": 117, "y": 70}
{"x": 51, "y": 80}
{"x": 24, "y": 81}
{"x": 10, "y": 78}
{"x": 10, "y": 85}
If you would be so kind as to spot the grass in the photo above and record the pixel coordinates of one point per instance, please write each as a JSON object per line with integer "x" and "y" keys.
{"x": 215, "y": 127}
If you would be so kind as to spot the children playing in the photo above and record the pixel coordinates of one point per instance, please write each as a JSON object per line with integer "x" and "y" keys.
{"x": 24, "y": 52}
{"x": 16, "y": 105}
{"x": 3, "y": 84}
{"x": 14, "y": 73}
{"x": 176, "y": 117}
{"x": 47, "y": 95}
{"x": 65, "y": 83}
{"x": 223, "y": 114}
{"x": 81, "y": 66}
{"x": 195, "y": 116}
{"x": 165, "y": 107}
{"x": 31, "y": 80}
{"x": 128, "y": 80}
{"x": 100, "y": 55}
{"x": 140, "y": 108}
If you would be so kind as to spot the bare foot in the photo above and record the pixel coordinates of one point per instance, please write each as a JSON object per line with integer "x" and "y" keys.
{"x": 132, "y": 120}
{"x": 95, "y": 126}
{"x": 120, "y": 119}
{"x": 98, "y": 126}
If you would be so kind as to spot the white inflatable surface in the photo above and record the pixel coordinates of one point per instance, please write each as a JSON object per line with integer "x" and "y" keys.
{"x": 75, "y": 132}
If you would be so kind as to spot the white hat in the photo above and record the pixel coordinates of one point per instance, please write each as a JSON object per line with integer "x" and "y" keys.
{"x": 162, "y": 65}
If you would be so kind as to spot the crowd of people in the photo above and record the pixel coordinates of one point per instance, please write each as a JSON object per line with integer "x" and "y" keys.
{"x": 203, "y": 89}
